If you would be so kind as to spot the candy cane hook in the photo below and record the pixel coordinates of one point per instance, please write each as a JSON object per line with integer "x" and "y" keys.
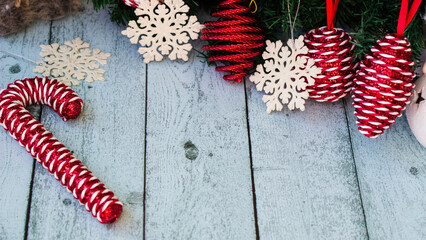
{"x": 48, "y": 151}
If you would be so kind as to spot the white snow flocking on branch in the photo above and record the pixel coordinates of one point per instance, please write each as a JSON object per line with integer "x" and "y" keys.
{"x": 72, "y": 62}
{"x": 163, "y": 29}
{"x": 285, "y": 75}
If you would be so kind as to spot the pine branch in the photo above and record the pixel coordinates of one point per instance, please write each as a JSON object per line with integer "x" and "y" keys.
{"x": 119, "y": 12}
{"x": 371, "y": 20}
{"x": 367, "y": 20}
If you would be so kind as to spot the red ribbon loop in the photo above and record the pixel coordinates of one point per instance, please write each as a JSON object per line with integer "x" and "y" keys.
{"x": 331, "y": 12}
{"x": 403, "y": 19}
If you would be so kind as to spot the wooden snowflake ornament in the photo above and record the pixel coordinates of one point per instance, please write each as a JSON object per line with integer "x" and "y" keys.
{"x": 163, "y": 28}
{"x": 285, "y": 75}
{"x": 72, "y": 62}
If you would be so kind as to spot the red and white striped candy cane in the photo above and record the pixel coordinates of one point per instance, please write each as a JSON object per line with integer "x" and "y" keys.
{"x": 48, "y": 151}
{"x": 131, "y": 3}
{"x": 135, "y": 3}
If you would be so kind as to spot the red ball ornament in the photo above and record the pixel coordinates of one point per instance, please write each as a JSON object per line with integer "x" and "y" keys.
{"x": 383, "y": 85}
{"x": 48, "y": 151}
{"x": 332, "y": 51}
{"x": 238, "y": 38}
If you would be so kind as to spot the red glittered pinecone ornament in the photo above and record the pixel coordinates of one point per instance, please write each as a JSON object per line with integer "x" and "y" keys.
{"x": 383, "y": 85}
{"x": 333, "y": 52}
{"x": 238, "y": 38}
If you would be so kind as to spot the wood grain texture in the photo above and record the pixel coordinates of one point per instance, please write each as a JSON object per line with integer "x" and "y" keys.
{"x": 198, "y": 183}
{"x": 16, "y": 165}
{"x": 392, "y": 176}
{"x": 304, "y": 173}
{"x": 108, "y": 137}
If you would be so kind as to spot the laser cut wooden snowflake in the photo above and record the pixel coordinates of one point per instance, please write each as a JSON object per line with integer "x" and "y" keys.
{"x": 72, "y": 62}
{"x": 285, "y": 75}
{"x": 163, "y": 29}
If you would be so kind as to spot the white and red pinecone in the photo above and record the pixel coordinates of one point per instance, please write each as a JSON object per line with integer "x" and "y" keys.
{"x": 332, "y": 51}
{"x": 383, "y": 85}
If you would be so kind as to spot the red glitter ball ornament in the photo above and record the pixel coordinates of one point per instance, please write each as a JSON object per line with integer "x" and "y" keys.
{"x": 238, "y": 38}
{"x": 332, "y": 51}
{"x": 48, "y": 151}
{"x": 383, "y": 85}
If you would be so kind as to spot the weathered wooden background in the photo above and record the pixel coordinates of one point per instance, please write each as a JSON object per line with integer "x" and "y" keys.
{"x": 192, "y": 156}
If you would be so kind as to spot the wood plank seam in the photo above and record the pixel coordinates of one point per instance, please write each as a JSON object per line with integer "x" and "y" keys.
{"x": 355, "y": 168}
{"x": 144, "y": 157}
{"x": 27, "y": 217}
{"x": 256, "y": 224}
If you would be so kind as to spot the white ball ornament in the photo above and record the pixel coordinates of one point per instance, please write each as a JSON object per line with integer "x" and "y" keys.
{"x": 416, "y": 110}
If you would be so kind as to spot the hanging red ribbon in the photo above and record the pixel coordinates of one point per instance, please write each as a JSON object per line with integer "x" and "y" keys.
{"x": 331, "y": 12}
{"x": 403, "y": 19}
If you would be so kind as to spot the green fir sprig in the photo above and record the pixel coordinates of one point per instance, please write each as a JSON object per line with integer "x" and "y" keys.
{"x": 367, "y": 20}
{"x": 370, "y": 20}
{"x": 119, "y": 12}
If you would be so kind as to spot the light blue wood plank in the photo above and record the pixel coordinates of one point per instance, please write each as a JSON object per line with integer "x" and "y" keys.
{"x": 108, "y": 138}
{"x": 16, "y": 164}
{"x": 392, "y": 176}
{"x": 304, "y": 173}
{"x": 198, "y": 183}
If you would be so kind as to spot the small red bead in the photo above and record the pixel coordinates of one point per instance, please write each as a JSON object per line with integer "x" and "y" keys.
{"x": 111, "y": 213}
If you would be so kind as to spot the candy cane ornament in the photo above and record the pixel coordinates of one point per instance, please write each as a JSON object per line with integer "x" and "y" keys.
{"x": 48, "y": 151}
{"x": 131, "y": 3}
